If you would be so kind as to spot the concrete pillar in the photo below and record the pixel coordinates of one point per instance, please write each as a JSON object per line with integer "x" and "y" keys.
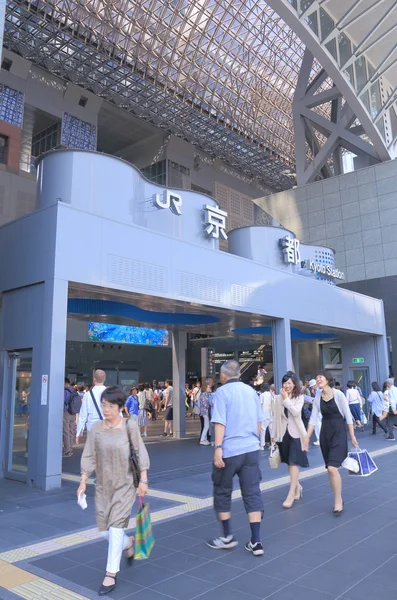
{"x": 179, "y": 346}
{"x": 282, "y": 349}
{"x": 295, "y": 355}
{"x": 34, "y": 319}
{"x": 48, "y": 441}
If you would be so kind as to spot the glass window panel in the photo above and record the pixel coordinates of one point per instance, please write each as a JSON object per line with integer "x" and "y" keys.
{"x": 305, "y": 4}
{"x": 376, "y": 102}
{"x": 312, "y": 21}
{"x": 361, "y": 73}
{"x": 350, "y": 74}
{"x": 345, "y": 49}
{"x": 327, "y": 24}
{"x": 77, "y": 133}
{"x": 11, "y": 105}
{"x": 331, "y": 47}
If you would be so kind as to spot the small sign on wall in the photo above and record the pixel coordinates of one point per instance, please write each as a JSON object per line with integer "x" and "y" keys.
{"x": 44, "y": 390}
{"x": 357, "y": 361}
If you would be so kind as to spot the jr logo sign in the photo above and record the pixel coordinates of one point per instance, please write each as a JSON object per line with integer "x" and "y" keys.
{"x": 168, "y": 200}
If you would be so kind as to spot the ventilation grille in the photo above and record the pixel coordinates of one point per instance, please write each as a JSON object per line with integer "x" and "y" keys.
{"x": 136, "y": 274}
{"x": 197, "y": 286}
{"x": 243, "y": 295}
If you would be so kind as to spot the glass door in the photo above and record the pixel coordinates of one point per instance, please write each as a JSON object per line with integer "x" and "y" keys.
{"x": 18, "y": 413}
{"x": 361, "y": 377}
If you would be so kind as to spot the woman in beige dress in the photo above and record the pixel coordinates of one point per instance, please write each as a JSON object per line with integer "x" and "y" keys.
{"x": 289, "y": 432}
{"x": 107, "y": 452}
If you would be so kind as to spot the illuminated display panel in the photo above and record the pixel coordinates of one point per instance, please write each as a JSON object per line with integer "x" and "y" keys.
{"x": 126, "y": 334}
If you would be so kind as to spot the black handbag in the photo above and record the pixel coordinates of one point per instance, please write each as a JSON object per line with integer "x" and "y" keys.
{"x": 135, "y": 468}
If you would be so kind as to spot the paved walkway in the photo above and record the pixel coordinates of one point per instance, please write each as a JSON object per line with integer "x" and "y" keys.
{"x": 50, "y": 549}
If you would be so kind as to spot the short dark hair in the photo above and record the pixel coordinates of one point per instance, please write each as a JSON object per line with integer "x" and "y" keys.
{"x": 351, "y": 384}
{"x": 265, "y": 387}
{"x": 147, "y": 386}
{"x": 375, "y": 386}
{"x": 169, "y": 381}
{"x": 141, "y": 387}
{"x": 114, "y": 395}
{"x": 67, "y": 380}
{"x": 328, "y": 376}
{"x": 295, "y": 380}
{"x": 337, "y": 384}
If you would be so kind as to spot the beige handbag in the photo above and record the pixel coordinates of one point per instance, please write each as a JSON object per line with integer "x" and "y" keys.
{"x": 274, "y": 458}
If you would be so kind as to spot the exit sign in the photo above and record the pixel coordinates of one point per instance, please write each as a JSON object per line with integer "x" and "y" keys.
{"x": 357, "y": 361}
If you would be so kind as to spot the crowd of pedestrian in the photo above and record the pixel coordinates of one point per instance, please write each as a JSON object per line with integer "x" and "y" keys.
{"x": 239, "y": 421}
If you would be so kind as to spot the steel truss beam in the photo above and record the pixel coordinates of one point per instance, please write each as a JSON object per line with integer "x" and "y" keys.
{"x": 363, "y": 84}
{"x": 337, "y": 131}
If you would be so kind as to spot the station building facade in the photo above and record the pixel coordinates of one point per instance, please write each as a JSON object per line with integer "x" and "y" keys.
{"x": 106, "y": 245}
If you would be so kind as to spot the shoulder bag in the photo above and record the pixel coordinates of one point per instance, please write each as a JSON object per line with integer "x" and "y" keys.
{"x": 274, "y": 458}
{"x": 135, "y": 468}
{"x": 96, "y": 405}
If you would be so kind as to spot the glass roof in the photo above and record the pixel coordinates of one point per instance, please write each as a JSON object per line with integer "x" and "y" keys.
{"x": 219, "y": 73}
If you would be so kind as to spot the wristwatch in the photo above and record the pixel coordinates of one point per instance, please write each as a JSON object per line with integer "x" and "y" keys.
{"x": 144, "y": 481}
{"x": 217, "y": 447}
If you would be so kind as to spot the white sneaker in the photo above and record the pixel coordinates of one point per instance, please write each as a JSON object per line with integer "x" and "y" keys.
{"x": 144, "y": 434}
{"x": 205, "y": 443}
{"x": 222, "y": 543}
{"x": 316, "y": 443}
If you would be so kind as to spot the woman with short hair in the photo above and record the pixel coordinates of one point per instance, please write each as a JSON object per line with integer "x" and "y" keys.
{"x": 289, "y": 432}
{"x": 107, "y": 452}
{"x": 334, "y": 408}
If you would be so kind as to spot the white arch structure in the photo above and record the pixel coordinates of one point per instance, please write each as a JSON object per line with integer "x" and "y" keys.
{"x": 355, "y": 42}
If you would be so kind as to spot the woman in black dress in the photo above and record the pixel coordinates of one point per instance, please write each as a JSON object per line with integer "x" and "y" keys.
{"x": 335, "y": 411}
{"x": 289, "y": 433}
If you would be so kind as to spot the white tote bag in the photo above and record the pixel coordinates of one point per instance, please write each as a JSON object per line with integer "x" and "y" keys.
{"x": 274, "y": 458}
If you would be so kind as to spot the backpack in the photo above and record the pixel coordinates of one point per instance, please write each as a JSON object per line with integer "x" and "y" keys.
{"x": 148, "y": 403}
{"x": 74, "y": 404}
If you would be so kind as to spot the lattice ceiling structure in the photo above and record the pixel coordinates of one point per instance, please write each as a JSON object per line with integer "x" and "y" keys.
{"x": 220, "y": 74}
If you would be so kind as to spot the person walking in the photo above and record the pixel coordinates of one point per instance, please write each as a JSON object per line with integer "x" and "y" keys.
{"x": 267, "y": 404}
{"x": 354, "y": 400}
{"x": 69, "y": 419}
{"x": 289, "y": 432}
{"x": 237, "y": 417}
{"x": 132, "y": 405}
{"x": 150, "y": 404}
{"x": 205, "y": 404}
{"x": 390, "y": 397}
{"x": 169, "y": 408}
{"x": 377, "y": 402}
{"x": 142, "y": 413}
{"x": 108, "y": 452}
{"x": 91, "y": 411}
{"x": 336, "y": 414}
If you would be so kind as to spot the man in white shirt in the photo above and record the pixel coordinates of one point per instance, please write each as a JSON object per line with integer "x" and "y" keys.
{"x": 89, "y": 413}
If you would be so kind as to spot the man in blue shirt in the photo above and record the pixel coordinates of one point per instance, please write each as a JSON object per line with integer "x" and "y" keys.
{"x": 237, "y": 417}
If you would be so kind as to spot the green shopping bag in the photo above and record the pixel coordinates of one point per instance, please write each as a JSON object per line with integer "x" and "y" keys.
{"x": 144, "y": 540}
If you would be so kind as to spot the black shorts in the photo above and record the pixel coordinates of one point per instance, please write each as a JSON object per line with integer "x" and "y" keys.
{"x": 169, "y": 414}
{"x": 246, "y": 467}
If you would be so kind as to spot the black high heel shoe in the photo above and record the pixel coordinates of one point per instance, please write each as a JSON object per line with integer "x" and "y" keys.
{"x": 106, "y": 589}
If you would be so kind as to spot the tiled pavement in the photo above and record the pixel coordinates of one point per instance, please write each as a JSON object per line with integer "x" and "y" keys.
{"x": 309, "y": 554}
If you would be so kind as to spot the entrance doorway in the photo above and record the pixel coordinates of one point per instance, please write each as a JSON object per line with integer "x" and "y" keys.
{"x": 18, "y": 397}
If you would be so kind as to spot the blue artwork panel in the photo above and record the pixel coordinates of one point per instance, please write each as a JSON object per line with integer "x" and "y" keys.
{"x": 126, "y": 334}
